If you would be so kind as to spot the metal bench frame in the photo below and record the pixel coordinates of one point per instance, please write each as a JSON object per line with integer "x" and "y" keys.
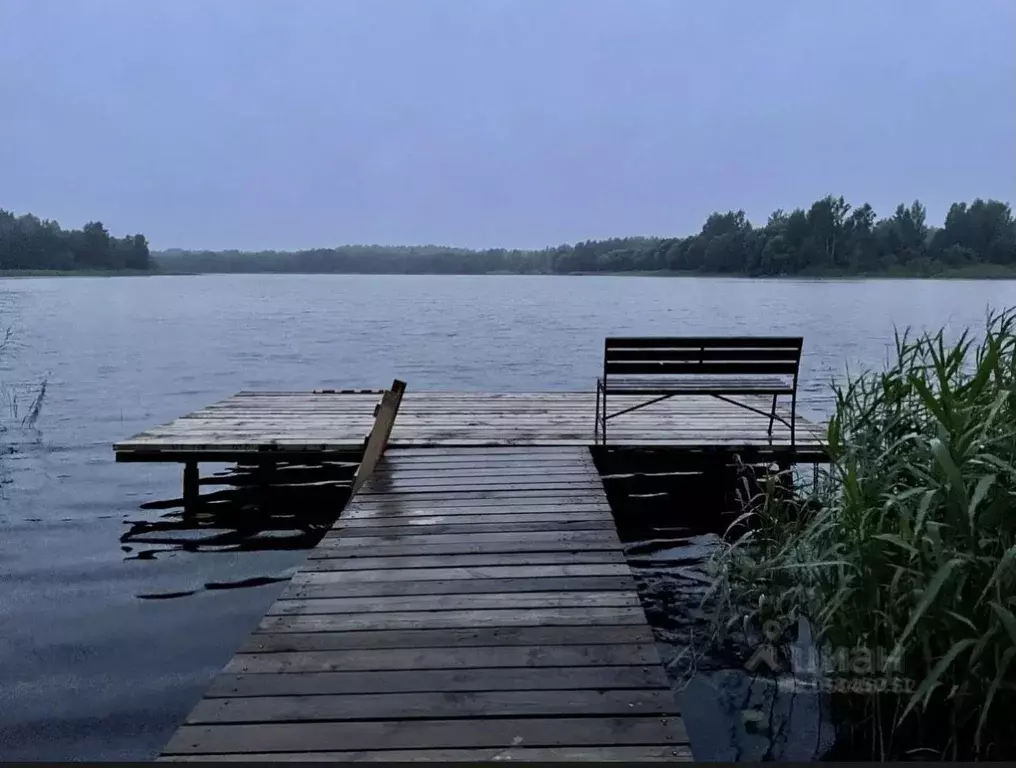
{"x": 749, "y": 358}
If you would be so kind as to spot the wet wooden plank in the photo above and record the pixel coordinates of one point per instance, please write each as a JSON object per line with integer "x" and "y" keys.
{"x": 437, "y": 485}
{"x": 482, "y": 601}
{"x": 477, "y": 523}
{"x": 403, "y": 734}
{"x": 515, "y": 754}
{"x": 476, "y": 657}
{"x": 470, "y": 472}
{"x": 410, "y": 706}
{"x": 479, "y": 501}
{"x": 490, "y": 565}
{"x": 485, "y": 464}
{"x": 409, "y": 549}
{"x": 465, "y": 566}
{"x": 525, "y": 617}
{"x": 471, "y": 526}
{"x": 347, "y": 525}
{"x": 447, "y": 638}
{"x": 459, "y": 587}
{"x": 442, "y": 680}
{"x": 396, "y": 508}
{"x": 576, "y": 538}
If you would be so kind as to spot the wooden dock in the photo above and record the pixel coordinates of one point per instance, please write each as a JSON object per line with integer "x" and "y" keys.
{"x": 471, "y": 603}
{"x": 319, "y": 423}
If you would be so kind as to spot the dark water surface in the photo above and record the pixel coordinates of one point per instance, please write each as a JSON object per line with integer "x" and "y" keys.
{"x": 90, "y": 668}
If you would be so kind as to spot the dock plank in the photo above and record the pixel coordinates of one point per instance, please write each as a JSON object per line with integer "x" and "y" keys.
{"x": 513, "y": 754}
{"x": 371, "y": 522}
{"x": 566, "y": 599}
{"x": 444, "y": 658}
{"x": 447, "y": 638}
{"x": 337, "y": 540}
{"x": 444, "y": 680}
{"x": 460, "y": 587}
{"x": 471, "y": 525}
{"x": 517, "y": 546}
{"x": 454, "y": 567}
{"x": 495, "y": 617}
{"x": 426, "y": 734}
{"x": 410, "y": 706}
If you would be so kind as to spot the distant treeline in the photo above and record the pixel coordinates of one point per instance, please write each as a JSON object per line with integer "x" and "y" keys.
{"x": 30, "y": 243}
{"x": 830, "y": 237}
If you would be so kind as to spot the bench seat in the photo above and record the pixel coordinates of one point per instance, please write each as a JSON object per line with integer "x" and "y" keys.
{"x": 699, "y": 385}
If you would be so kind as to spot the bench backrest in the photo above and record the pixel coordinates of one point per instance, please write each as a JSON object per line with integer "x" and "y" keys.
{"x": 732, "y": 355}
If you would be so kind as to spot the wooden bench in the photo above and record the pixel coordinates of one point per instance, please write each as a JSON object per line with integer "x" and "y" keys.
{"x": 722, "y": 367}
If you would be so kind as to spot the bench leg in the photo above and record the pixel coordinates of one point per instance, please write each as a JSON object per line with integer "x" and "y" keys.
{"x": 603, "y": 416}
{"x": 596, "y": 428}
{"x": 772, "y": 417}
{"x": 793, "y": 418}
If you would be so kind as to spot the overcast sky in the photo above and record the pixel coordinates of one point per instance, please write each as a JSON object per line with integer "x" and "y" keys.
{"x": 306, "y": 123}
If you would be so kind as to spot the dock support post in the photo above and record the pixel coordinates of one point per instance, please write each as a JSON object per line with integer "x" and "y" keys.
{"x": 264, "y": 473}
{"x": 190, "y": 486}
{"x": 786, "y": 469}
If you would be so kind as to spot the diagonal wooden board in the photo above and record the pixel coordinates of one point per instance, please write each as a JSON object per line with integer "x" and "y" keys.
{"x": 377, "y": 440}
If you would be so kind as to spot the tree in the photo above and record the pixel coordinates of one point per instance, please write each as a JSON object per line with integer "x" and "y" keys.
{"x": 826, "y": 242}
{"x": 94, "y": 247}
{"x": 985, "y": 228}
{"x": 27, "y": 242}
{"x": 907, "y": 233}
{"x": 862, "y": 250}
{"x": 139, "y": 257}
{"x": 776, "y": 258}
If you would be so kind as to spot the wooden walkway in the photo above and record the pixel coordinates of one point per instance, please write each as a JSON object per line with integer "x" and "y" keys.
{"x": 469, "y": 604}
{"x": 319, "y": 423}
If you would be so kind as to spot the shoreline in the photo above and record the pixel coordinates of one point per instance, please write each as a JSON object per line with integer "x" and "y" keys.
{"x": 26, "y": 273}
{"x": 981, "y": 272}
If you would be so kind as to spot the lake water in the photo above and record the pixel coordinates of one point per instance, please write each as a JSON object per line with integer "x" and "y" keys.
{"x": 88, "y": 669}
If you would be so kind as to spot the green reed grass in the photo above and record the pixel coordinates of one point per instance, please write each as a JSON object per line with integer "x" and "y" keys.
{"x": 907, "y": 545}
{"x": 8, "y": 393}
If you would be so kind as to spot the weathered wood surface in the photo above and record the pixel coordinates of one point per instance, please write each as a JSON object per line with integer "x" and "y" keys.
{"x": 511, "y": 754}
{"x": 435, "y": 625}
{"x": 252, "y": 422}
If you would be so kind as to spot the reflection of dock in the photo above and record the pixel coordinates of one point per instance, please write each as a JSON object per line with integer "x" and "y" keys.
{"x": 473, "y": 600}
{"x": 469, "y": 604}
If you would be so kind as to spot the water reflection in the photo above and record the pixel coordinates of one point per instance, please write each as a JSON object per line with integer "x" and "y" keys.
{"x": 672, "y": 516}
{"x": 671, "y": 513}
{"x": 286, "y": 506}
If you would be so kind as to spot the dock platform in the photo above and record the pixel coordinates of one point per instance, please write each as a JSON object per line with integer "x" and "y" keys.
{"x": 315, "y": 424}
{"x": 470, "y": 603}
